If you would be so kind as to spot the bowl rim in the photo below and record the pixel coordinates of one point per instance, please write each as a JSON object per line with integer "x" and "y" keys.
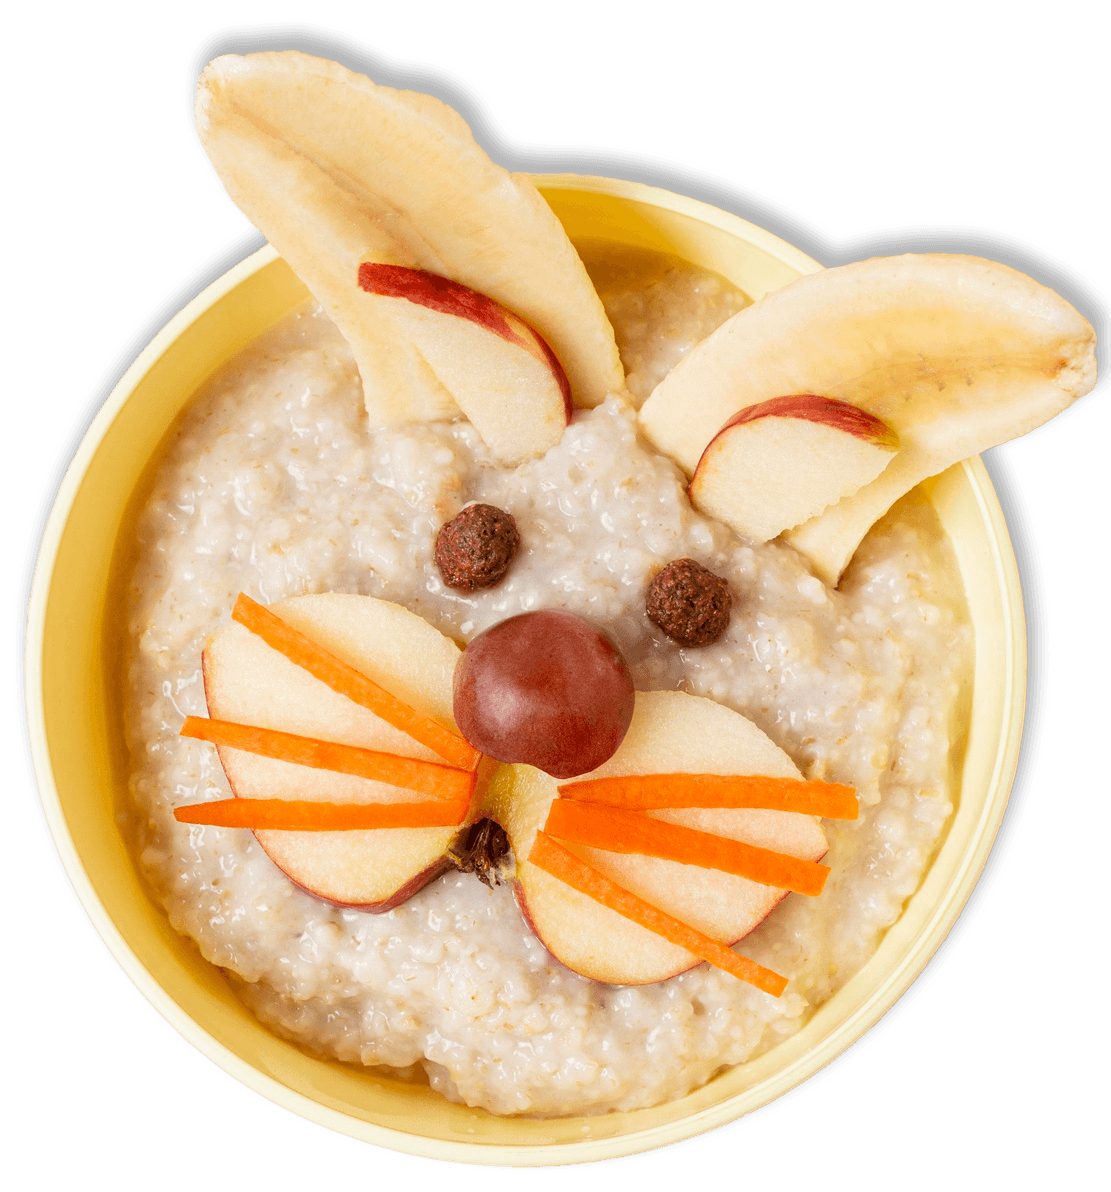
{"x": 99, "y": 407}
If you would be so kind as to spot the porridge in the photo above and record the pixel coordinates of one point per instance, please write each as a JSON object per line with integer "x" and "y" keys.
{"x": 273, "y": 486}
{"x": 828, "y": 648}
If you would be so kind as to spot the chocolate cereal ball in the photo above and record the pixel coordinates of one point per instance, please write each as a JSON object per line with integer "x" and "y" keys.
{"x": 690, "y": 604}
{"x": 475, "y": 548}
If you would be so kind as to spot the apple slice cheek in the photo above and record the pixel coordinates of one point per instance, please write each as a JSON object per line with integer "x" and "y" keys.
{"x": 247, "y": 680}
{"x": 352, "y": 868}
{"x": 718, "y": 904}
{"x": 591, "y": 939}
{"x": 351, "y": 683}
{"x": 364, "y": 869}
{"x": 567, "y": 866}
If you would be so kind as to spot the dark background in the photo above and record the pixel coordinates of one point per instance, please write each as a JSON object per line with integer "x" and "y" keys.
{"x": 858, "y": 113}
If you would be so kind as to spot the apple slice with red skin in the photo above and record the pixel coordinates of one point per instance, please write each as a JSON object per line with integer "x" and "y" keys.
{"x": 780, "y": 462}
{"x": 503, "y": 375}
{"x": 671, "y": 732}
{"x": 248, "y": 682}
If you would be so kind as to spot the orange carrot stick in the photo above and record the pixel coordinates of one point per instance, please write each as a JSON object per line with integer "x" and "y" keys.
{"x": 653, "y": 792}
{"x": 346, "y": 680}
{"x": 302, "y": 815}
{"x": 430, "y": 778}
{"x": 618, "y": 831}
{"x": 553, "y": 858}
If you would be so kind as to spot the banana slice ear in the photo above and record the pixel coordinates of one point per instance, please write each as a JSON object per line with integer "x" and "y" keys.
{"x": 954, "y": 353}
{"x": 336, "y": 171}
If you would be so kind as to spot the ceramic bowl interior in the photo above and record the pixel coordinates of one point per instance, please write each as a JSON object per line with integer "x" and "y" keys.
{"x": 74, "y": 667}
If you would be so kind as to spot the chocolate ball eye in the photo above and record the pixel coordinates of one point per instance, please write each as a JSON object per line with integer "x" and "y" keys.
{"x": 689, "y": 603}
{"x": 474, "y": 549}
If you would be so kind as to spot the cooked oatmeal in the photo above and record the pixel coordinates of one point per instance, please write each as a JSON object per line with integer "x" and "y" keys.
{"x": 273, "y": 486}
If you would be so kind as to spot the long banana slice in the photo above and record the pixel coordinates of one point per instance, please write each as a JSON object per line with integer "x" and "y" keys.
{"x": 335, "y": 170}
{"x": 955, "y": 353}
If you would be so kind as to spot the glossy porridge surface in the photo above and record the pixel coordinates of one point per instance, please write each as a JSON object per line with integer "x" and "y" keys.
{"x": 273, "y": 486}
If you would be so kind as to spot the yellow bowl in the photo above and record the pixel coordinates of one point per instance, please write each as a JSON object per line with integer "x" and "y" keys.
{"x": 74, "y": 643}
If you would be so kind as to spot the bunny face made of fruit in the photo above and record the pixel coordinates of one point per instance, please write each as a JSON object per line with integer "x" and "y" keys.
{"x": 806, "y": 414}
